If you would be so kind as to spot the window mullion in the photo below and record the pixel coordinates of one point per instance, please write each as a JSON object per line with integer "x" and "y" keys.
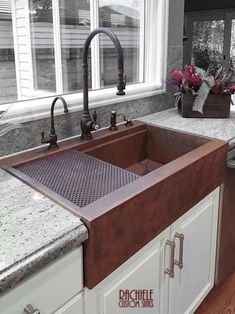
{"x": 95, "y": 45}
{"x": 142, "y": 41}
{"x": 57, "y": 46}
{"x": 149, "y": 44}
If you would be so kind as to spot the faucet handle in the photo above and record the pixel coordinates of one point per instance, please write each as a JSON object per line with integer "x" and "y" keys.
{"x": 128, "y": 122}
{"x": 124, "y": 81}
{"x": 43, "y": 141}
{"x": 94, "y": 118}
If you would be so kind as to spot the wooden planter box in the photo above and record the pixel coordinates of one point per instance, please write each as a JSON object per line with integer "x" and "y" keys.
{"x": 216, "y": 106}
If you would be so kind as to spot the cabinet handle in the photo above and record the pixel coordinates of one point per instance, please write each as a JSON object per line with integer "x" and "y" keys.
{"x": 179, "y": 262}
{"x": 30, "y": 310}
{"x": 170, "y": 271}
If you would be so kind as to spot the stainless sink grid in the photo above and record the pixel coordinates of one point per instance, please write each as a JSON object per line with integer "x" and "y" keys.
{"x": 78, "y": 177}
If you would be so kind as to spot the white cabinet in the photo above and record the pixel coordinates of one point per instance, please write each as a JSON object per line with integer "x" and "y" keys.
{"x": 172, "y": 274}
{"x": 48, "y": 289}
{"x": 135, "y": 287}
{"x": 193, "y": 237}
{"x": 192, "y": 283}
{"x": 74, "y": 306}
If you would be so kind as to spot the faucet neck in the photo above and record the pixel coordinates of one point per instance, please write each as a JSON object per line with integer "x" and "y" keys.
{"x": 111, "y": 35}
{"x": 86, "y": 119}
{"x": 52, "y": 111}
{"x": 85, "y": 88}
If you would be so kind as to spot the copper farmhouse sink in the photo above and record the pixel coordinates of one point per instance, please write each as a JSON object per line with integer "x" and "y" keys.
{"x": 126, "y": 186}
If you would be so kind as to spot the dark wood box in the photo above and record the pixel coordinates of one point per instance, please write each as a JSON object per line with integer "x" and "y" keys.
{"x": 216, "y": 106}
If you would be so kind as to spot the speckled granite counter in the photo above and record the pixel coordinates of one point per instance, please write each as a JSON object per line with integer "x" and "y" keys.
{"x": 223, "y": 129}
{"x": 33, "y": 231}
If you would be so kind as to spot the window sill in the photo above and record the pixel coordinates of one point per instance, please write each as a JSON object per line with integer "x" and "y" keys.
{"x": 39, "y": 108}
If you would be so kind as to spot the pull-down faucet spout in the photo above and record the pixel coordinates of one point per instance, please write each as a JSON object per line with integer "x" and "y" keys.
{"x": 87, "y": 124}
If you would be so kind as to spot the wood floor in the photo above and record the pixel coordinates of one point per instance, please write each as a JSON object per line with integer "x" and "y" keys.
{"x": 221, "y": 299}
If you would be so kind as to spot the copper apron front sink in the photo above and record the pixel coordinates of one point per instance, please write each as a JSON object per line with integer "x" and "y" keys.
{"x": 147, "y": 177}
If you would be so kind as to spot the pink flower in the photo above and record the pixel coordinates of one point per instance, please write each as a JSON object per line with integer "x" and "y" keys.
{"x": 230, "y": 88}
{"x": 192, "y": 69}
{"x": 196, "y": 80}
{"x": 187, "y": 76}
{"x": 176, "y": 75}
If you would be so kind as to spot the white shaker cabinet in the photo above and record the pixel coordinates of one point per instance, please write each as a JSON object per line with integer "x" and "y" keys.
{"x": 195, "y": 279}
{"x": 178, "y": 265}
{"x": 172, "y": 274}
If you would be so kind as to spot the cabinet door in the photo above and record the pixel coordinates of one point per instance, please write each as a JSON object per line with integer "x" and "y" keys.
{"x": 122, "y": 290}
{"x": 193, "y": 282}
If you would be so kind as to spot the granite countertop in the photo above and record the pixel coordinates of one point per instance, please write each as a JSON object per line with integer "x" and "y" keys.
{"x": 34, "y": 231}
{"x": 223, "y": 129}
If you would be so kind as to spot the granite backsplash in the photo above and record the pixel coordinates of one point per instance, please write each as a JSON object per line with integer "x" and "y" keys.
{"x": 69, "y": 125}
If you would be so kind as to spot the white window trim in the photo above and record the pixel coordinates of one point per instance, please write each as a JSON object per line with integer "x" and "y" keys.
{"x": 57, "y": 46}
{"x": 156, "y": 39}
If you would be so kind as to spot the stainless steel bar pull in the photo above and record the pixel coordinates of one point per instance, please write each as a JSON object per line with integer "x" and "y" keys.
{"x": 170, "y": 271}
{"x": 180, "y": 262}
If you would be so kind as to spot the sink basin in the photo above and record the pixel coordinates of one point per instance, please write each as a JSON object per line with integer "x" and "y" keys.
{"x": 164, "y": 173}
{"x": 84, "y": 176}
{"x": 146, "y": 150}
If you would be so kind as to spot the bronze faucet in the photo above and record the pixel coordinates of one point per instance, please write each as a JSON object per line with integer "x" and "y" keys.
{"x": 52, "y": 138}
{"x": 87, "y": 123}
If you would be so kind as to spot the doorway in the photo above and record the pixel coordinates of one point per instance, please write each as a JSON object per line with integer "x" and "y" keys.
{"x": 211, "y": 40}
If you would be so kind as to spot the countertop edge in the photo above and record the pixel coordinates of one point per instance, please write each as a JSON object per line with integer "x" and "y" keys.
{"x": 44, "y": 256}
{"x": 218, "y": 128}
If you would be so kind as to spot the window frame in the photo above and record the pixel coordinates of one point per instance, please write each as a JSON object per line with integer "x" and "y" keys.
{"x": 154, "y": 68}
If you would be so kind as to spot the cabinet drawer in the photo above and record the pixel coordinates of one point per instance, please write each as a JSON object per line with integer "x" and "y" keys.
{"x": 75, "y": 306}
{"x": 48, "y": 289}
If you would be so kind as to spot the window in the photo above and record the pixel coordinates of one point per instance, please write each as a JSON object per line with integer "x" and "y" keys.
{"x": 8, "y": 90}
{"x": 48, "y": 40}
{"x": 127, "y": 24}
{"x": 42, "y": 45}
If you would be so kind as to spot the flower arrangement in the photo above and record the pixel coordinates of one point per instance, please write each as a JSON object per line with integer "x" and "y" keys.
{"x": 201, "y": 83}
{"x": 190, "y": 79}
